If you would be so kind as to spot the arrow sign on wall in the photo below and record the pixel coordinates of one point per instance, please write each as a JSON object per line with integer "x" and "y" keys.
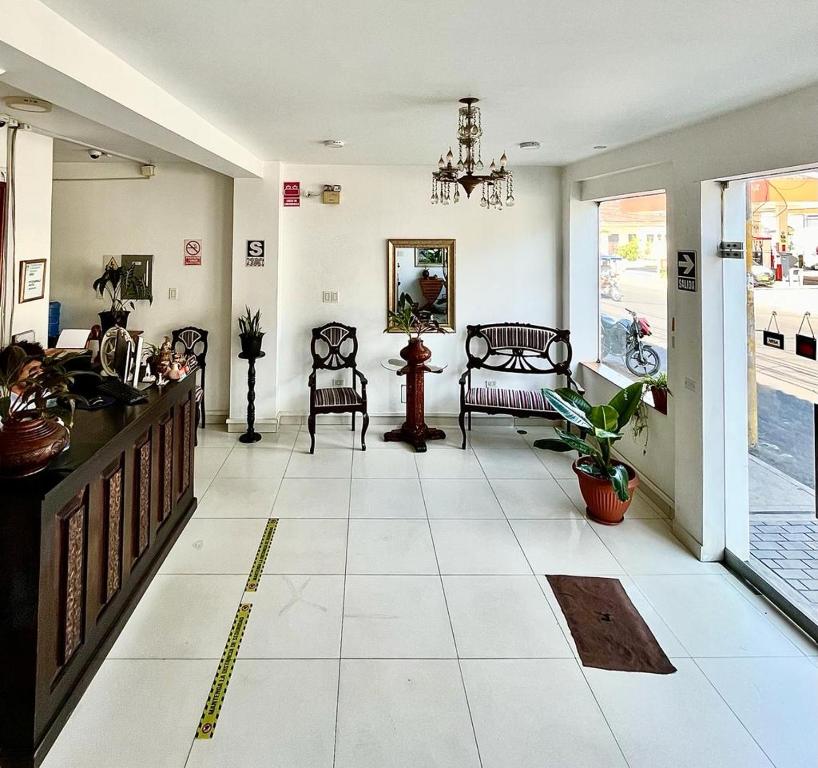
{"x": 686, "y": 270}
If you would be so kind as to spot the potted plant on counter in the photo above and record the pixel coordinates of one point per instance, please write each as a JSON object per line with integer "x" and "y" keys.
{"x": 124, "y": 288}
{"x": 36, "y": 410}
{"x": 250, "y": 332}
{"x": 606, "y": 484}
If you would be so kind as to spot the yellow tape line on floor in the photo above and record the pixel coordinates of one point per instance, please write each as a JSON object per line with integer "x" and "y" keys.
{"x": 213, "y": 705}
{"x": 261, "y": 556}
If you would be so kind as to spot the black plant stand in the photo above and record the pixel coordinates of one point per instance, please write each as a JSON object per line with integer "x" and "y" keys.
{"x": 251, "y": 436}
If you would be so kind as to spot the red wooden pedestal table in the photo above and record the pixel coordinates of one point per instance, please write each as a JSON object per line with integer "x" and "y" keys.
{"x": 414, "y": 366}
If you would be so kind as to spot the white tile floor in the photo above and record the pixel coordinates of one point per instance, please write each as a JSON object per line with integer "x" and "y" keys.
{"x": 403, "y": 619}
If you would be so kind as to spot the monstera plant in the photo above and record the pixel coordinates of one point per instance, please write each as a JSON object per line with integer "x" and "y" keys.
{"x": 606, "y": 484}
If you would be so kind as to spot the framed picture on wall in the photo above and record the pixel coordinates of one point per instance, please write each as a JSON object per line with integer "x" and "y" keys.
{"x": 32, "y": 280}
{"x": 142, "y": 268}
{"x": 429, "y": 257}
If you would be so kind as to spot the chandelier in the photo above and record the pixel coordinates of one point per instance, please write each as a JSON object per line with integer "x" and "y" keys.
{"x": 497, "y": 185}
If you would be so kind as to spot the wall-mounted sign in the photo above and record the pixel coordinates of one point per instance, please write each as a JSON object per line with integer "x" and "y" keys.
{"x": 193, "y": 253}
{"x": 774, "y": 339}
{"x": 32, "y": 280}
{"x": 686, "y": 270}
{"x": 292, "y": 194}
{"x": 255, "y": 253}
{"x": 805, "y": 346}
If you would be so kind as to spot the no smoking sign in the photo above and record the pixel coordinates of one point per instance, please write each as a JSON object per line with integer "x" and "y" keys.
{"x": 193, "y": 253}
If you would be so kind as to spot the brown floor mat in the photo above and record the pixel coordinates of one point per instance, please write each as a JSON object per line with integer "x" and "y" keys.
{"x": 606, "y": 627}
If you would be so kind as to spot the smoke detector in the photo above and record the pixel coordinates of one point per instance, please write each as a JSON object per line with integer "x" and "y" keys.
{"x": 335, "y": 143}
{"x": 529, "y": 145}
{"x": 27, "y": 104}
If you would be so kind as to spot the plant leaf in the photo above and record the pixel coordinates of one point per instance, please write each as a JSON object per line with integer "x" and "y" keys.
{"x": 604, "y": 417}
{"x": 619, "y": 480}
{"x": 575, "y": 399}
{"x": 582, "y": 447}
{"x": 626, "y": 401}
{"x": 565, "y": 409}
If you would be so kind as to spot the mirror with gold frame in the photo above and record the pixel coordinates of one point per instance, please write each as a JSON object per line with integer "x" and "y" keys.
{"x": 421, "y": 272}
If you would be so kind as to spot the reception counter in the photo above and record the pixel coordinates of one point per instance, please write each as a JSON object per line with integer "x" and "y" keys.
{"x": 79, "y": 543}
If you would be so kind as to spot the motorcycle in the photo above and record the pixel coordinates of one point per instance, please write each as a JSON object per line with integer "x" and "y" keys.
{"x": 623, "y": 338}
{"x": 608, "y": 275}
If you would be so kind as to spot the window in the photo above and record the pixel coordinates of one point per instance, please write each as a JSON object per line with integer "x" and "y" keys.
{"x": 633, "y": 284}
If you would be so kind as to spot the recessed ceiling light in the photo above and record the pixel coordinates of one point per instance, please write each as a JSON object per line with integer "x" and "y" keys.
{"x": 334, "y": 143}
{"x": 27, "y": 104}
{"x": 600, "y": 146}
{"x": 529, "y": 145}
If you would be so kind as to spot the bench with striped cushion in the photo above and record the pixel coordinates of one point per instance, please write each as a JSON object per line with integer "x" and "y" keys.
{"x": 513, "y": 348}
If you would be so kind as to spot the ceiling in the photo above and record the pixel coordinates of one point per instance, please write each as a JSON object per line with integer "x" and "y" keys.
{"x": 64, "y": 123}
{"x": 386, "y": 76}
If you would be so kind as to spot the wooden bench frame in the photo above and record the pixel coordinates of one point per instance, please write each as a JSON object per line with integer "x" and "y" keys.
{"x": 514, "y": 348}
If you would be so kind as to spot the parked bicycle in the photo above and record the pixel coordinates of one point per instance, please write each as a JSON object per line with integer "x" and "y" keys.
{"x": 623, "y": 338}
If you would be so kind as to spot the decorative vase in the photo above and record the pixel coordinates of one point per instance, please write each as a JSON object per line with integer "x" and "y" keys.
{"x": 251, "y": 344}
{"x": 659, "y": 399}
{"x": 601, "y": 502}
{"x": 415, "y": 352}
{"x": 27, "y": 445}
{"x": 110, "y": 318}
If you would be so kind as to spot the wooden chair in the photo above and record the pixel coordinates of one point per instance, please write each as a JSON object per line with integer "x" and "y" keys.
{"x": 193, "y": 341}
{"x": 513, "y": 348}
{"x": 334, "y": 347}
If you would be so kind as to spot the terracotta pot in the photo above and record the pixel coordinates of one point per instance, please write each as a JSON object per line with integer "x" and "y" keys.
{"x": 601, "y": 502}
{"x": 659, "y": 399}
{"x": 27, "y": 445}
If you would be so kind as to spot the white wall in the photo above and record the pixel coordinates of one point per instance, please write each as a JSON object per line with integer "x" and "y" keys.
{"x": 33, "y": 161}
{"x": 684, "y": 163}
{"x": 93, "y": 219}
{"x": 507, "y": 269}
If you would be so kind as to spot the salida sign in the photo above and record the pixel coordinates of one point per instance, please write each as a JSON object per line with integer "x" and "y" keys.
{"x": 292, "y": 194}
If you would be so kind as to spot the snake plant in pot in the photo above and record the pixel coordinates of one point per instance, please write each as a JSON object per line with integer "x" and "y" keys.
{"x": 606, "y": 484}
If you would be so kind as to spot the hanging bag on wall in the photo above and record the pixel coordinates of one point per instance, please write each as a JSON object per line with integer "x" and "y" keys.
{"x": 774, "y": 338}
{"x": 806, "y": 346}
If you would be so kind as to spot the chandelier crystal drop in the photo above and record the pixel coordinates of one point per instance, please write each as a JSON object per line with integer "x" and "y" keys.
{"x": 496, "y": 186}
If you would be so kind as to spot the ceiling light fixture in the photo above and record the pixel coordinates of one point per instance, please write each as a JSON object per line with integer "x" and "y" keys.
{"x": 27, "y": 104}
{"x": 529, "y": 145}
{"x": 335, "y": 143}
{"x": 497, "y": 184}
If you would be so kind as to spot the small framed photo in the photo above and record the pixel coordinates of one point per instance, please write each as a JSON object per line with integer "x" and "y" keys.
{"x": 32, "y": 280}
{"x": 429, "y": 257}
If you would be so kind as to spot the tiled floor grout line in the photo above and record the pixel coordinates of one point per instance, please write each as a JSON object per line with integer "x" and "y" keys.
{"x": 733, "y": 712}
{"x": 343, "y": 610}
{"x": 451, "y": 627}
{"x": 575, "y": 655}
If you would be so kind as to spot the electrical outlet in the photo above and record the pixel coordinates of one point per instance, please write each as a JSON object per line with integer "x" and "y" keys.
{"x": 337, "y": 382}
{"x": 403, "y": 393}
{"x": 491, "y": 384}
{"x": 329, "y": 297}
{"x": 173, "y": 294}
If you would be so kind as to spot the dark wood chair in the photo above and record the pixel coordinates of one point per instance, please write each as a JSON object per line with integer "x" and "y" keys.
{"x": 334, "y": 347}
{"x": 513, "y": 348}
{"x": 193, "y": 341}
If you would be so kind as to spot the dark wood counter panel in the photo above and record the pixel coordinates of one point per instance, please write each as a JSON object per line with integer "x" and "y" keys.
{"x": 79, "y": 544}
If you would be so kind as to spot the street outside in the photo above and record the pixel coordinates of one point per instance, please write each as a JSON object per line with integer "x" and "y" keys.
{"x": 787, "y": 384}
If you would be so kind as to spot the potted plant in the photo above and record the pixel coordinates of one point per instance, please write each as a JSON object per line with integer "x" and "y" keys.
{"x": 407, "y": 321}
{"x": 36, "y": 409}
{"x": 607, "y": 485}
{"x": 250, "y": 332}
{"x": 123, "y": 288}
{"x": 658, "y": 387}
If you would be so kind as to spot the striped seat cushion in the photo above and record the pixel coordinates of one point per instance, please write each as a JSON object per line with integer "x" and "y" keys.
{"x": 199, "y": 394}
{"x": 336, "y": 396}
{"x": 508, "y": 399}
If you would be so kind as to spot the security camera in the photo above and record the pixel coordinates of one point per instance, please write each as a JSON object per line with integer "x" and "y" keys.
{"x": 95, "y": 154}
